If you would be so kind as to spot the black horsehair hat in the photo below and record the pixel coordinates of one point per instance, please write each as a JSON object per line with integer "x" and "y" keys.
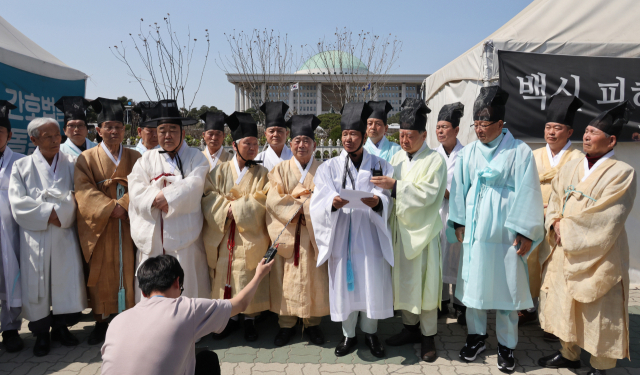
{"x": 73, "y": 107}
{"x": 5, "y": 110}
{"x": 380, "y": 110}
{"x": 490, "y": 104}
{"x": 303, "y": 125}
{"x": 274, "y": 114}
{"x": 242, "y": 125}
{"x": 452, "y": 113}
{"x": 214, "y": 120}
{"x": 613, "y": 120}
{"x": 167, "y": 111}
{"x": 354, "y": 116}
{"x": 145, "y": 109}
{"x": 562, "y": 109}
{"x": 108, "y": 110}
{"x": 414, "y": 114}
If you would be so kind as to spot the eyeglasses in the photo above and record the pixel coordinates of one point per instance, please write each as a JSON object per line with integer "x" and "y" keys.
{"x": 482, "y": 126}
{"x": 73, "y": 127}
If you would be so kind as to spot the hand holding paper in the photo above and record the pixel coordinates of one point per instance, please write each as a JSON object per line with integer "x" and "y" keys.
{"x": 354, "y": 197}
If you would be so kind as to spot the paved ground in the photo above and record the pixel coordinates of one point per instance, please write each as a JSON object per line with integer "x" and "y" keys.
{"x": 262, "y": 357}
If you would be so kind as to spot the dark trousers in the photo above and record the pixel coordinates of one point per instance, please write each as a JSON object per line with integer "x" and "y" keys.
{"x": 207, "y": 363}
{"x": 54, "y": 321}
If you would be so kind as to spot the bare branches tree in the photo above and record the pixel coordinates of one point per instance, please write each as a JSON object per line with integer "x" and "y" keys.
{"x": 167, "y": 62}
{"x": 352, "y": 67}
{"x": 263, "y": 60}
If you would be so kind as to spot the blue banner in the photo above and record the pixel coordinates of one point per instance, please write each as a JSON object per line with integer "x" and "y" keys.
{"x": 35, "y": 96}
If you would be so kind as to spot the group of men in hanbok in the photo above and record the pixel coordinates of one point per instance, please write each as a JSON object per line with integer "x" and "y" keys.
{"x": 379, "y": 228}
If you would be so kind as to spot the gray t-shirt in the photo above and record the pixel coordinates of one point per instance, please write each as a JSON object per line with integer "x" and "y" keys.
{"x": 158, "y": 335}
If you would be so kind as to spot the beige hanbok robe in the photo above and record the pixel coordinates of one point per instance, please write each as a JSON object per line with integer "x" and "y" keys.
{"x": 585, "y": 290}
{"x": 224, "y": 156}
{"x": 301, "y": 290}
{"x": 546, "y": 173}
{"x": 247, "y": 200}
{"x": 96, "y": 182}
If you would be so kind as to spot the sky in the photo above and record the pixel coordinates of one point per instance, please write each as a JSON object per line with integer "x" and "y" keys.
{"x": 79, "y": 33}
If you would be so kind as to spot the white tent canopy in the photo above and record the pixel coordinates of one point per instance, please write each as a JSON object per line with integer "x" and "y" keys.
{"x": 20, "y": 52}
{"x": 562, "y": 27}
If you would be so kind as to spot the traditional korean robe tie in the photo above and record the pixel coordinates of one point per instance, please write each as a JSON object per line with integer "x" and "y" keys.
{"x": 51, "y": 270}
{"x": 297, "y": 287}
{"x": 385, "y": 150}
{"x": 177, "y": 232}
{"x": 106, "y": 242}
{"x": 246, "y": 193}
{"x": 585, "y": 280}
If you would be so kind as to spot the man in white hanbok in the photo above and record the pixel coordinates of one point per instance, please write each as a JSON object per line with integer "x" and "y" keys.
{"x": 377, "y": 143}
{"x": 447, "y": 130}
{"x": 43, "y": 205}
{"x": 354, "y": 236}
{"x": 213, "y": 135}
{"x": 147, "y": 130}
{"x": 165, "y": 189}
{"x": 276, "y": 132}
{"x": 10, "y": 295}
{"x": 75, "y": 125}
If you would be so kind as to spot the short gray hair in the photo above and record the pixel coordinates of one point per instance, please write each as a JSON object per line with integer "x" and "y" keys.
{"x": 33, "y": 129}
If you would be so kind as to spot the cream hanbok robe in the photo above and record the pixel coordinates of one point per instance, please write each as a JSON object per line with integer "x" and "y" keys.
{"x": 546, "y": 172}
{"x": 301, "y": 290}
{"x": 270, "y": 159}
{"x": 366, "y": 229}
{"x": 222, "y": 157}
{"x": 247, "y": 199}
{"x": 177, "y": 232}
{"x": 415, "y": 229}
{"x": 585, "y": 290}
{"x": 10, "y": 290}
{"x": 51, "y": 272}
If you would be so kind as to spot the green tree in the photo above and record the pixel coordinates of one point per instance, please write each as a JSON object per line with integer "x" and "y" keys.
{"x": 258, "y": 116}
{"x": 195, "y": 113}
{"x": 331, "y": 123}
{"x": 395, "y": 119}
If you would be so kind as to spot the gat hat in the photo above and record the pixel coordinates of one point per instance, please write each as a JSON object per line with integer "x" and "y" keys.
{"x": 490, "y": 104}
{"x": 73, "y": 107}
{"x": 5, "y": 110}
{"x": 562, "y": 109}
{"x": 145, "y": 109}
{"x": 303, "y": 125}
{"x": 380, "y": 110}
{"x": 414, "y": 114}
{"x": 242, "y": 125}
{"x": 108, "y": 110}
{"x": 214, "y": 120}
{"x": 613, "y": 120}
{"x": 274, "y": 114}
{"x": 452, "y": 113}
{"x": 354, "y": 116}
{"x": 167, "y": 111}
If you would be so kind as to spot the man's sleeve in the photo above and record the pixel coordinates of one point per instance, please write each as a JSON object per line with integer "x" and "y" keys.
{"x": 210, "y": 315}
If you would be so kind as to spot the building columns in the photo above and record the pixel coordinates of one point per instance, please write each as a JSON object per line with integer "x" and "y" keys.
{"x": 237, "y": 97}
{"x": 404, "y": 93}
{"x": 319, "y": 100}
{"x": 291, "y": 107}
{"x": 264, "y": 93}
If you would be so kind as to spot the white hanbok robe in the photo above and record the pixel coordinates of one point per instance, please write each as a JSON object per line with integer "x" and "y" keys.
{"x": 270, "y": 159}
{"x": 10, "y": 290}
{"x": 371, "y": 248}
{"x": 141, "y": 149}
{"x": 71, "y": 149}
{"x": 178, "y": 232}
{"x": 450, "y": 251}
{"x": 51, "y": 270}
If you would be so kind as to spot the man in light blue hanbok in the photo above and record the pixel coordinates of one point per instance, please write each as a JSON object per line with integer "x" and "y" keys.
{"x": 75, "y": 125}
{"x": 377, "y": 144}
{"x": 495, "y": 207}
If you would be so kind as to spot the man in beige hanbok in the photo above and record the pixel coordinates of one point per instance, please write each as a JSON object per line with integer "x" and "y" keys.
{"x": 584, "y": 298}
{"x": 213, "y": 135}
{"x": 298, "y": 289}
{"x": 235, "y": 233}
{"x": 549, "y": 160}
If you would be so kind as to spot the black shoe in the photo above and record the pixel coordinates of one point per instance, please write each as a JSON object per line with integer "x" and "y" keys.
{"x": 556, "y": 360}
{"x": 250, "y": 332}
{"x": 315, "y": 335}
{"x": 593, "y": 371}
{"x": 526, "y": 317}
{"x": 42, "y": 345}
{"x": 12, "y": 341}
{"x": 232, "y": 325}
{"x": 506, "y": 362}
{"x": 473, "y": 347}
{"x": 408, "y": 335}
{"x": 283, "y": 336}
{"x": 374, "y": 344}
{"x": 65, "y": 337}
{"x": 345, "y": 346}
{"x": 428, "y": 349}
{"x": 98, "y": 334}
{"x": 444, "y": 309}
{"x": 461, "y": 315}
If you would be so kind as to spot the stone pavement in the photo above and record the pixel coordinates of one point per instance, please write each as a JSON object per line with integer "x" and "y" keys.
{"x": 263, "y": 358}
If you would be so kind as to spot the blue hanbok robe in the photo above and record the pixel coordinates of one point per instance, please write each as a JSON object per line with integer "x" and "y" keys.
{"x": 386, "y": 150}
{"x": 495, "y": 200}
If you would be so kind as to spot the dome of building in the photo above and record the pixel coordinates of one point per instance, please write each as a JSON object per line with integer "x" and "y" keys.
{"x": 333, "y": 62}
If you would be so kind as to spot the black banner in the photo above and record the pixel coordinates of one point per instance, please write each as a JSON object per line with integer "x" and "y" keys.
{"x": 531, "y": 79}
